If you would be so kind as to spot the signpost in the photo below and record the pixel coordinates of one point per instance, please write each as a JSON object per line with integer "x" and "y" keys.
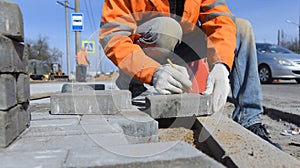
{"x": 77, "y": 21}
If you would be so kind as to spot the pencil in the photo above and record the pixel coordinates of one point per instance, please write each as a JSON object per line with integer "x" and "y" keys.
{"x": 171, "y": 63}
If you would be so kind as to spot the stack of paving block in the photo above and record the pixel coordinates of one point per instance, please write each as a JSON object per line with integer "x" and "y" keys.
{"x": 14, "y": 80}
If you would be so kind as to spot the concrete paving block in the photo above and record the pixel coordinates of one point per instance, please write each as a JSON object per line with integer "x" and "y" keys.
{"x": 23, "y": 88}
{"x": 12, "y": 123}
{"x": 8, "y": 126}
{"x": 97, "y": 102}
{"x": 61, "y": 130}
{"x": 76, "y": 87}
{"x": 8, "y": 96}
{"x": 235, "y": 146}
{"x": 11, "y": 56}
{"x": 45, "y": 158}
{"x": 43, "y": 114}
{"x": 158, "y": 155}
{"x": 23, "y": 118}
{"x": 136, "y": 126}
{"x": 178, "y": 105}
{"x": 52, "y": 142}
{"x": 11, "y": 21}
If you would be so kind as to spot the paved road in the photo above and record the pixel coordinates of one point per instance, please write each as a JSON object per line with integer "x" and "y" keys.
{"x": 286, "y": 90}
{"x": 284, "y": 97}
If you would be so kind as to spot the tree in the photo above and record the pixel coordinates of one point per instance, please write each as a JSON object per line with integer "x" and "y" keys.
{"x": 289, "y": 42}
{"x": 40, "y": 50}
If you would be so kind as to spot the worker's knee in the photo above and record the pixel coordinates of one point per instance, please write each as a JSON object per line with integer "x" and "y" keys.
{"x": 243, "y": 25}
{"x": 161, "y": 32}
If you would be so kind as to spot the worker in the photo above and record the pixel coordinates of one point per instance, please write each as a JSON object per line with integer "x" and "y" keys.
{"x": 82, "y": 61}
{"x": 140, "y": 35}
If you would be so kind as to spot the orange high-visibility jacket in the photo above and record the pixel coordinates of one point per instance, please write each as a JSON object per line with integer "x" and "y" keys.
{"x": 118, "y": 26}
{"x": 82, "y": 58}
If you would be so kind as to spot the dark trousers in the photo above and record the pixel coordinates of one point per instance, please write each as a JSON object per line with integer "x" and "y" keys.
{"x": 81, "y": 73}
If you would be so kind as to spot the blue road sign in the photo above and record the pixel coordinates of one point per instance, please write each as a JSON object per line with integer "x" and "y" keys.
{"x": 77, "y": 21}
{"x": 89, "y": 46}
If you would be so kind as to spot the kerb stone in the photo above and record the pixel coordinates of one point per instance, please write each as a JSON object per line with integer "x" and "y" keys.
{"x": 178, "y": 105}
{"x": 12, "y": 55}
{"x": 8, "y": 91}
{"x": 92, "y": 102}
{"x": 11, "y": 21}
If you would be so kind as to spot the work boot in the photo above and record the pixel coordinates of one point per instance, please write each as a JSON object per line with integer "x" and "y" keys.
{"x": 261, "y": 131}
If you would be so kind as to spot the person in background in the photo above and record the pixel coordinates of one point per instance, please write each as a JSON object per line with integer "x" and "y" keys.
{"x": 140, "y": 35}
{"x": 82, "y": 61}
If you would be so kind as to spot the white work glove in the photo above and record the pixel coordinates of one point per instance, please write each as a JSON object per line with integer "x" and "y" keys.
{"x": 169, "y": 80}
{"x": 217, "y": 84}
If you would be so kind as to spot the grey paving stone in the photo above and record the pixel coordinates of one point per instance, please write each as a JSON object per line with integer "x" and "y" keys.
{"x": 97, "y": 102}
{"x": 46, "y": 116}
{"x": 62, "y": 130}
{"x": 11, "y": 20}
{"x": 52, "y": 142}
{"x": 54, "y": 122}
{"x": 158, "y": 155}
{"x": 12, "y": 123}
{"x": 23, "y": 118}
{"x": 137, "y": 126}
{"x": 23, "y": 88}
{"x": 76, "y": 87}
{"x": 43, "y": 158}
{"x": 178, "y": 105}
{"x": 11, "y": 56}
{"x": 8, "y": 126}
{"x": 8, "y": 90}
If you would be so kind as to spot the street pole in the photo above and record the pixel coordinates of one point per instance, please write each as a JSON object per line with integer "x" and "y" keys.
{"x": 77, "y": 33}
{"x": 299, "y": 39}
{"x": 67, "y": 39}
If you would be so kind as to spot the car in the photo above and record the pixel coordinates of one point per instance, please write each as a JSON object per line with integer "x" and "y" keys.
{"x": 276, "y": 62}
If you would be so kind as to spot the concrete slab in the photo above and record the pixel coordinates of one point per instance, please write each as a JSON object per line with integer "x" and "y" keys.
{"x": 23, "y": 88}
{"x": 178, "y": 105}
{"x": 76, "y": 87}
{"x": 164, "y": 155}
{"x": 51, "y": 142}
{"x": 98, "y": 102}
{"x": 8, "y": 126}
{"x": 8, "y": 90}
{"x": 11, "y": 56}
{"x": 235, "y": 146}
{"x": 11, "y": 21}
{"x": 136, "y": 126}
{"x": 43, "y": 158}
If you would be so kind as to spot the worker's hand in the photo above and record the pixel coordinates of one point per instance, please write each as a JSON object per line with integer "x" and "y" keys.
{"x": 169, "y": 80}
{"x": 217, "y": 84}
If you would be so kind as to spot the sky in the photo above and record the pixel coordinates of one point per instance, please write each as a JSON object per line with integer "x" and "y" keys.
{"x": 47, "y": 18}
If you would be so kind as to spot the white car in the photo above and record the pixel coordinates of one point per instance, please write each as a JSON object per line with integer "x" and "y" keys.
{"x": 276, "y": 62}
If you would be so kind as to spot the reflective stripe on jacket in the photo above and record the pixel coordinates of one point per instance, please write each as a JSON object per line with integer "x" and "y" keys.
{"x": 118, "y": 26}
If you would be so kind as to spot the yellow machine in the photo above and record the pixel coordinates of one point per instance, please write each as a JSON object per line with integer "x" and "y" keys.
{"x": 56, "y": 72}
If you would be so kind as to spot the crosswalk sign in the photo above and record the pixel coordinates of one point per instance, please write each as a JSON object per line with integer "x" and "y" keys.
{"x": 89, "y": 46}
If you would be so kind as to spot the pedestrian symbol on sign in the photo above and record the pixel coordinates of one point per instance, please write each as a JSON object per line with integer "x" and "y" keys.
{"x": 89, "y": 46}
